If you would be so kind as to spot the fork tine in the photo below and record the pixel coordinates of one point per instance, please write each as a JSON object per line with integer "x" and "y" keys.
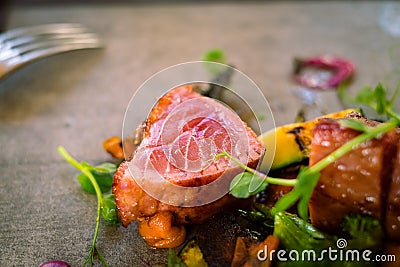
{"x": 29, "y": 39}
{"x": 59, "y": 28}
{"x": 23, "y": 45}
{"x": 30, "y": 43}
{"x": 47, "y": 49}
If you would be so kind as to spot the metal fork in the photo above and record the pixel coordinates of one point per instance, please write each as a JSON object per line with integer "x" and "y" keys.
{"x": 26, "y": 44}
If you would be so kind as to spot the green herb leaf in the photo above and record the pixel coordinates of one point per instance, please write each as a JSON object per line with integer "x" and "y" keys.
{"x": 103, "y": 174}
{"x": 378, "y": 100}
{"x": 306, "y": 184}
{"x": 87, "y": 171}
{"x": 104, "y": 180}
{"x": 301, "y": 193}
{"x": 246, "y": 184}
{"x": 365, "y": 231}
{"x": 298, "y": 234}
{"x": 174, "y": 260}
{"x": 215, "y": 55}
{"x": 109, "y": 210}
{"x": 86, "y": 184}
{"x": 286, "y": 201}
{"x": 239, "y": 185}
{"x": 394, "y": 96}
{"x": 107, "y": 167}
{"x": 364, "y": 96}
{"x": 354, "y": 124}
{"x": 251, "y": 182}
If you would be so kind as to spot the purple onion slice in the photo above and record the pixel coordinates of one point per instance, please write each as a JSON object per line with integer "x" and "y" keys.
{"x": 323, "y": 72}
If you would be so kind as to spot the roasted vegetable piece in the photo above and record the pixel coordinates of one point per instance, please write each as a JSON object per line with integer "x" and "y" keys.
{"x": 292, "y": 142}
{"x": 240, "y": 254}
{"x": 159, "y": 231}
{"x": 255, "y": 255}
{"x": 192, "y": 256}
{"x": 257, "y": 259}
{"x": 113, "y": 146}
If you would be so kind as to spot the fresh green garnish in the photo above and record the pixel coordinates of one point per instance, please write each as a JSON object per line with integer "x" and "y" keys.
{"x": 96, "y": 180}
{"x": 215, "y": 55}
{"x": 174, "y": 260}
{"x": 295, "y": 234}
{"x": 378, "y": 100}
{"x": 109, "y": 210}
{"x": 251, "y": 182}
{"x": 374, "y": 98}
{"x": 301, "y": 193}
{"x": 364, "y": 231}
{"x": 298, "y": 234}
{"x": 103, "y": 174}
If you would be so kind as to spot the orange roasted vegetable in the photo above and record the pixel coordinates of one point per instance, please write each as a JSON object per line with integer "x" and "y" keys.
{"x": 257, "y": 255}
{"x": 113, "y": 145}
{"x": 159, "y": 231}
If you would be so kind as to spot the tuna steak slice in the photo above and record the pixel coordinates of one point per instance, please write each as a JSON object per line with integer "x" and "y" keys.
{"x": 174, "y": 168}
{"x": 357, "y": 183}
{"x": 393, "y": 201}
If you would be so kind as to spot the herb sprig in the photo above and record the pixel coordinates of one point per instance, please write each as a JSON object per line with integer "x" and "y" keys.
{"x": 375, "y": 98}
{"x": 96, "y": 180}
{"x": 252, "y": 182}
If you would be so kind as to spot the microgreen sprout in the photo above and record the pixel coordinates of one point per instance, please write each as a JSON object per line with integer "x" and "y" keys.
{"x": 374, "y": 98}
{"x": 96, "y": 180}
{"x": 251, "y": 181}
{"x": 215, "y": 55}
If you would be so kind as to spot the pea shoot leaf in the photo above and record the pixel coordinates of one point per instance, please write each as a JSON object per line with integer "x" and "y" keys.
{"x": 301, "y": 193}
{"x": 215, "y": 55}
{"x": 374, "y": 98}
{"x": 364, "y": 96}
{"x": 246, "y": 184}
{"x": 104, "y": 180}
{"x": 96, "y": 180}
{"x": 354, "y": 124}
{"x": 381, "y": 103}
{"x": 106, "y": 167}
{"x": 109, "y": 210}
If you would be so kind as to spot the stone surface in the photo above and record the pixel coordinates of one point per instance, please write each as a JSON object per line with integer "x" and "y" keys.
{"x": 78, "y": 99}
